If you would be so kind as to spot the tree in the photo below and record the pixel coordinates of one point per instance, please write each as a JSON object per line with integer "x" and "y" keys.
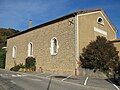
{"x": 100, "y": 55}
{"x": 2, "y": 58}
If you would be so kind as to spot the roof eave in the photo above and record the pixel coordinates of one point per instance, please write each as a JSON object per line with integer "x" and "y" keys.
{"x": 45, "y": 24}
{"x": 115, "y": 29}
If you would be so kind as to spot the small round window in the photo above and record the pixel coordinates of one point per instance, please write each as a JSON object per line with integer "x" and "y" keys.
{"x": 100, "y": 20}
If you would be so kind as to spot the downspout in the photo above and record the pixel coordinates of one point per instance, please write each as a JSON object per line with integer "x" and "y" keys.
{"x": 76, "y": 46}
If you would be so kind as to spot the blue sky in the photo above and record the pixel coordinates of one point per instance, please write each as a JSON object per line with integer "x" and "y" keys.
{"x": 16, "y": 13}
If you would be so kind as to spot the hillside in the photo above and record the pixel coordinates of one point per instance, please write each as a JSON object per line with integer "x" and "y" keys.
{"x": 4, "y": 33}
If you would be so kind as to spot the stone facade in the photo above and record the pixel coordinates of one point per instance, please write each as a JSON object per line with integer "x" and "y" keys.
{"x": 41, "y": 37}
{"x": 73, "y": 32}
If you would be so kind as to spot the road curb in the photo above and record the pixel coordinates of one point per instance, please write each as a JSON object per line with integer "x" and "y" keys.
{"x": 113, "y": 84}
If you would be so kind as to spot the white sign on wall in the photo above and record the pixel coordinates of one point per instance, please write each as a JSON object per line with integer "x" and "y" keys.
{"x": 100, "y": 31}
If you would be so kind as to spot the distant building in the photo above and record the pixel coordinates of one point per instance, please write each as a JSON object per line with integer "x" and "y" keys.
{"x": 116, "y": 43}
{"x": 57, "y": 44}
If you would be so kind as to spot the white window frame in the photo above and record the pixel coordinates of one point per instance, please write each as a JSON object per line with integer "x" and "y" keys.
{"x": 102, "y": 23}
{"x": 30, "y": 52}
{"x": 14, "y": 52}
{"x": 52, "y": 46}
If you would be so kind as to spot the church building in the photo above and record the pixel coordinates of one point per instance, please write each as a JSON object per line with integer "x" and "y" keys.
{"x": 56, "y": 45}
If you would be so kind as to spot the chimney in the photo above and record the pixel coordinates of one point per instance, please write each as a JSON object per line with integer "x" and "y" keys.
{"x": 30, "y": 23}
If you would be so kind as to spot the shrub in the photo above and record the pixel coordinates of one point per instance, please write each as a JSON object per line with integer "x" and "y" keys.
{"x": 30, "y": 63}
{"x": 21, "y": 65}
{"x": 17, "y": 67}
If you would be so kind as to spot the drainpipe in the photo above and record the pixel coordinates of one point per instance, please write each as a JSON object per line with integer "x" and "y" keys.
{"x": 77, "y": 62}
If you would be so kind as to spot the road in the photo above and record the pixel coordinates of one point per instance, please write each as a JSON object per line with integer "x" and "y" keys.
{"x": 24, "y": 81}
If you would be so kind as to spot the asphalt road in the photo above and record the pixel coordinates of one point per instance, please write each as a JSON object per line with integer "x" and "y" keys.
{"x": 37, "y": 81}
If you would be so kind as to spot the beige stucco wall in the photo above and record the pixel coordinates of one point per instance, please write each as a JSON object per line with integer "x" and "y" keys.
{"x": 64, "y": 61}
{"x": 117, "y": 45}
{"x": 86, "y": 24}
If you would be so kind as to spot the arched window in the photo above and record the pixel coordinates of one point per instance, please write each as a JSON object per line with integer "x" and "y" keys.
{"x": 30, "y": 49}
{"x": 14, "y": 52}
{"x": 100, "y": 20}
{"x": 54, "y": 46}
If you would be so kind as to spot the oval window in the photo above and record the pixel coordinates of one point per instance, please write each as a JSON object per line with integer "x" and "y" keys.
{"x": 100, "y": 20}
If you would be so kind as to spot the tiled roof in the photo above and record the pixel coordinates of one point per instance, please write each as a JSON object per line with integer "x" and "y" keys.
{"x": 116, "y": 40}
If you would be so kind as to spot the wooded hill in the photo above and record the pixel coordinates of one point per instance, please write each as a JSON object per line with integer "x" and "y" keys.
{"x": 4, "y": 33}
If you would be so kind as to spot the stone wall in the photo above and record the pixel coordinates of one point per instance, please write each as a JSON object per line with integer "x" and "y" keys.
{"x": 63, "y": 62}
